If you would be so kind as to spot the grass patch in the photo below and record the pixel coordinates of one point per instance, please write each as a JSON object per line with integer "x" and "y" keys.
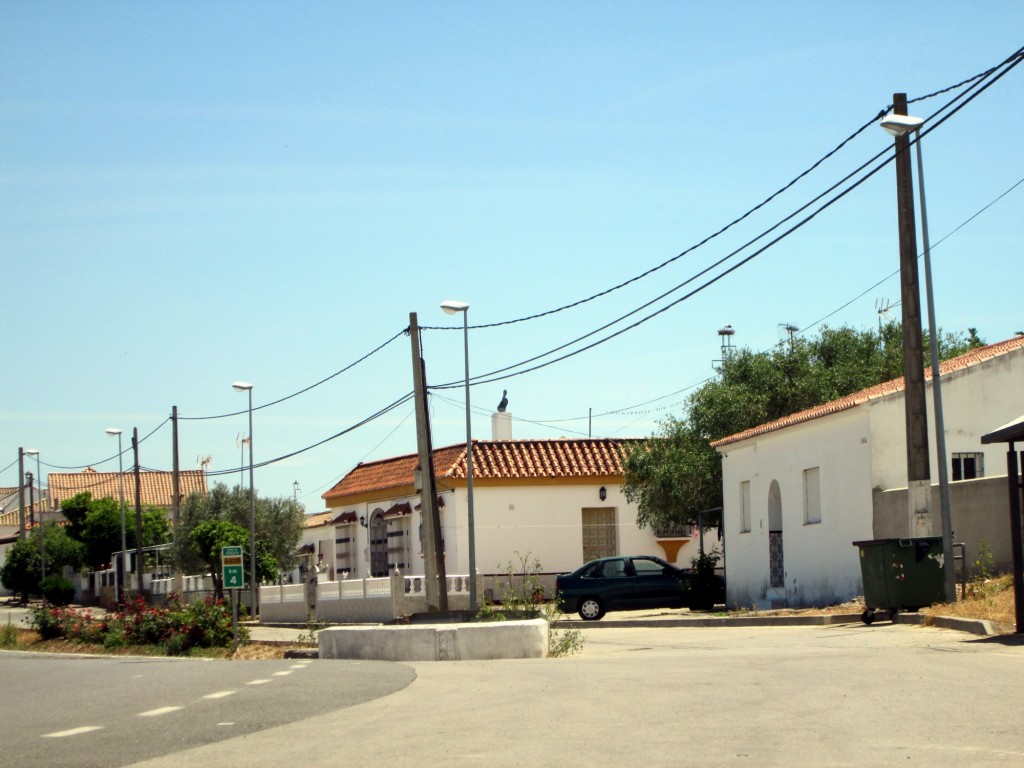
{"x": 988, "y": 599}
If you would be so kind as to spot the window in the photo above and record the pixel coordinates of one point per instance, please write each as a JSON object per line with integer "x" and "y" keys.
{"x": 599, "y": 533}
{"x": 967, "y": 466}
{"x": 812, "y": 495}
{"x": 344, "y": 554}
{"x": 745, "y": 506}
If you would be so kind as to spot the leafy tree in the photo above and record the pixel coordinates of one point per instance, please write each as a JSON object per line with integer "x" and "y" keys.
{"x": 278, "y": 529}
{"x": 677, "y": 473}
{"x": 22, "y": 573}
{"x": 97, "y": 524}
{"x": 208, "y": 540}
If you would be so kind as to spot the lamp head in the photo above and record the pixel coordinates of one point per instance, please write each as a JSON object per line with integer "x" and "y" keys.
{"x": 31, "y": 451}
{"x": 242, "y": 386}
{"x": 113, "y": 431}
{"x": 899, "y": 125}
{"x": 450, "y": 307}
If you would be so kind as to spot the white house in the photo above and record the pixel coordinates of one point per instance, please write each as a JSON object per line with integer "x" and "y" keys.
{"x": 798, "y": 491}
{"x": 559, "y": 501}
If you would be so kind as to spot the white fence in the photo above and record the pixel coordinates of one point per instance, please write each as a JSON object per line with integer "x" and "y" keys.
{"x": 356, "y": 600}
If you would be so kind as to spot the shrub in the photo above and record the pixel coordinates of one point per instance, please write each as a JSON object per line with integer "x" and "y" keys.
{"x": 176, "y": 628}
{"x": 8, "y": 635}
{"x": 57, "y": 590}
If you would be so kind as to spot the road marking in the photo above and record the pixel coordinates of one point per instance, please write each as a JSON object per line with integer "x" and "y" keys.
{"x": 225, "y": 723}
{"x": 158, "y": 711}
{"x": 257, "y": 682}
{"x": 282, "y": 673}
{"x": 73, "y": 732}
{"x": 218, "y": 695}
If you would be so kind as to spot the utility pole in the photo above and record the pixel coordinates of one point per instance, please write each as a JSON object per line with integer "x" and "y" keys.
{"x": 918, "y": 468}
{"x": 436, "y": 578}
{"x": 22, "y": 533}
{"x": 138, "y": 512}
{"x": 179, "y": 581}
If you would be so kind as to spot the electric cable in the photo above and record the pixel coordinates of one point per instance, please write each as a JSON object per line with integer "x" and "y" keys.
{"x": 301, "y": 391}
{"x": 1015, "y": 57}
{"x": 104, "y": 461}
{"x": 494, "y": 375}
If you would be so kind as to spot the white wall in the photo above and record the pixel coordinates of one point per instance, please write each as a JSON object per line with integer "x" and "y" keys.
{"x": 975, "y": 401}
{"x": 542, "y": 521}
{"x": 821, "y": 564}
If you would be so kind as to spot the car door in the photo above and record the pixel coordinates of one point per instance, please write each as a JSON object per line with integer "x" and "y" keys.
{"x": 656, "y": 584}
{"x": 616, "y": 583}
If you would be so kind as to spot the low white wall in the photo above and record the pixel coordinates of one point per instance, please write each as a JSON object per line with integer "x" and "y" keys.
{"x": 437, "y": 642}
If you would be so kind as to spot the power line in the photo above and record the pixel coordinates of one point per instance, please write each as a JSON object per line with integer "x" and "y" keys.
{"x": 1015, "y": 58}
{"x": 495, "y": 375}
{"x": 104, "y": 461}
{"x": 348, "y": 367}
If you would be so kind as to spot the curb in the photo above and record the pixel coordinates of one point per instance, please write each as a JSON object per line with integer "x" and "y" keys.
{"x": 719, "y": 621}
{"x": 982, "y": 627}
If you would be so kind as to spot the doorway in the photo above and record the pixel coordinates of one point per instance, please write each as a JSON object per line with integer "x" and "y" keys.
{"x": 776, "y": 562}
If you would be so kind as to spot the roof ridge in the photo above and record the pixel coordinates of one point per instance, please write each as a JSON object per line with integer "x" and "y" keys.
{"x": 968, "y": 359}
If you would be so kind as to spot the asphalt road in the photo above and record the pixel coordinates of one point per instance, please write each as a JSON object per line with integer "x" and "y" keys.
{"x": 65, "y": 710}
{"x": 789, "y": 696}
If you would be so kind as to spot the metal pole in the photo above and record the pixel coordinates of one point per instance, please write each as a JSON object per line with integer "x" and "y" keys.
{"x": 22, "y": 531}
{"x": 252, "y": 523}
{"x": 469, "y": 472}
{"x": 42, "y": 508}
{"x": 946, "y": 515}
{"x": 124, "y": 537}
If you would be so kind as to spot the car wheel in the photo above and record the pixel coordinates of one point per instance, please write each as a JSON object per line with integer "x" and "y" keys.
{"x": 591, "y": 609}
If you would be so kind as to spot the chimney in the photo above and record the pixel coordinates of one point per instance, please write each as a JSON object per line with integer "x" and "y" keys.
{"x": 501, "y": 425}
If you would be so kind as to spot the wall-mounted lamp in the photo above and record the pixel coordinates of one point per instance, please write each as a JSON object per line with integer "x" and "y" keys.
{"x": 362, "y": 520}
{"x": 603, "y": 493}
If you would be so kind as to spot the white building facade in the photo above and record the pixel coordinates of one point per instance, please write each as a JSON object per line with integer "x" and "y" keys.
{"x": 799, "y": 491}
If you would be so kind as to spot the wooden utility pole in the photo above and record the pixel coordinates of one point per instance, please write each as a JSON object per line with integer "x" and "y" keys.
{"x": 436, "y": 578}
{"x": 918, "y": 467}
{"x": 138, "y": 512}
{"x": 176, "y": 494}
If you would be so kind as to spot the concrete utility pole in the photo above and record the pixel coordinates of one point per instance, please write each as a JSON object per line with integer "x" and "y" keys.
{"x": 436, "y": 577}
{"x": 918, "y": 469}
{"x": 138, "y": 513}
{"x": 179, "y": 580}
{"x": 22, "y": 533}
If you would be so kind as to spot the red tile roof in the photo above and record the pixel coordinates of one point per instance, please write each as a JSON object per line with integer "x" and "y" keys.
{"x": 966, "y": 360}
{"x": 155, "y": 487}
{"x": 493, "y": 460}
{"x": 318, "y": 519}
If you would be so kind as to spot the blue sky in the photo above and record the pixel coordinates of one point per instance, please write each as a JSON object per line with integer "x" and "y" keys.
{"x": 197, "y": 193}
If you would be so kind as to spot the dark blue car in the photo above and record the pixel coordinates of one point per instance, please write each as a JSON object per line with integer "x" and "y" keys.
{"x": 631, "y": 582}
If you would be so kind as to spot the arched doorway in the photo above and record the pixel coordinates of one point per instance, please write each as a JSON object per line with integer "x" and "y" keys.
{"x": 776, "y": 563}
{"x": 378, "y": 528}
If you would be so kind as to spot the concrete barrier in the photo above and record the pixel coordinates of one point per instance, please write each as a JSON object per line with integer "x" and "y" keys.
{"x": 437, "y": 642}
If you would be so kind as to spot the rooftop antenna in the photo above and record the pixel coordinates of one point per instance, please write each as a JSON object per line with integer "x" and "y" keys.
{"x": 882, "y": 307}
{"x": 790, "y": 329}
{"x": 725, "y": 334}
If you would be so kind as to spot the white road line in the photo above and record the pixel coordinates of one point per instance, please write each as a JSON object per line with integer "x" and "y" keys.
{"x": 225, "y": 723}
{"x": 73, "y": 732}
{"x": 282, "y": 673}
{"x": 158, "y": 711}
{"x": 218, "y": 695}
{"x": 257, "y": 682}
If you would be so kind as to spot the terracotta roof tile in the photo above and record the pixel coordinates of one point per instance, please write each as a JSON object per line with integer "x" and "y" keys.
{"x": 492, "y": 459}
{"x": 155, "y": 487}
{"x": 318, "y": 519}
{"x": 966, "y": 360}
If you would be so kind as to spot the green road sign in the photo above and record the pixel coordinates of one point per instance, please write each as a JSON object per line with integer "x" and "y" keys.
{"x": 231, "y": 567}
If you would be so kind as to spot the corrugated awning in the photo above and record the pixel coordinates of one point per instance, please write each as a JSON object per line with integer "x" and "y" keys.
{"x": 345, "y": 518}
{"x": 398, "y": 510}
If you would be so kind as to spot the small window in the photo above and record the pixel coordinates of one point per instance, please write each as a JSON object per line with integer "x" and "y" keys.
{"x": 968, "y": 466}
{"x": 812, "y": 495}
{"x": 745, "y": 506}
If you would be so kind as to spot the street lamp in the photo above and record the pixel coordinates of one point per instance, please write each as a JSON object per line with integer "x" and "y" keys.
{"x": 119, "y": 577}
{"x": 450, "y": 308}
{"x": 42, "y": 506}
{"x": 243, "y": 386}
{"x": 900, "y": 125}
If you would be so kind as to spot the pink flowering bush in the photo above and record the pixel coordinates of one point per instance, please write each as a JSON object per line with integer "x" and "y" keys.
{"x": 177, "y": 627}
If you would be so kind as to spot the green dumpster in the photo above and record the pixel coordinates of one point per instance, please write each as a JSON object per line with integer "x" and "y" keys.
{"x": 900, "y": 574}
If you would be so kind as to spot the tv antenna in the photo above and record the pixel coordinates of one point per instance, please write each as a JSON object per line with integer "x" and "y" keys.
{"x": 882, "y": 307}
{"x": 725, "y": 334}
{"x": 791, "y": 330}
